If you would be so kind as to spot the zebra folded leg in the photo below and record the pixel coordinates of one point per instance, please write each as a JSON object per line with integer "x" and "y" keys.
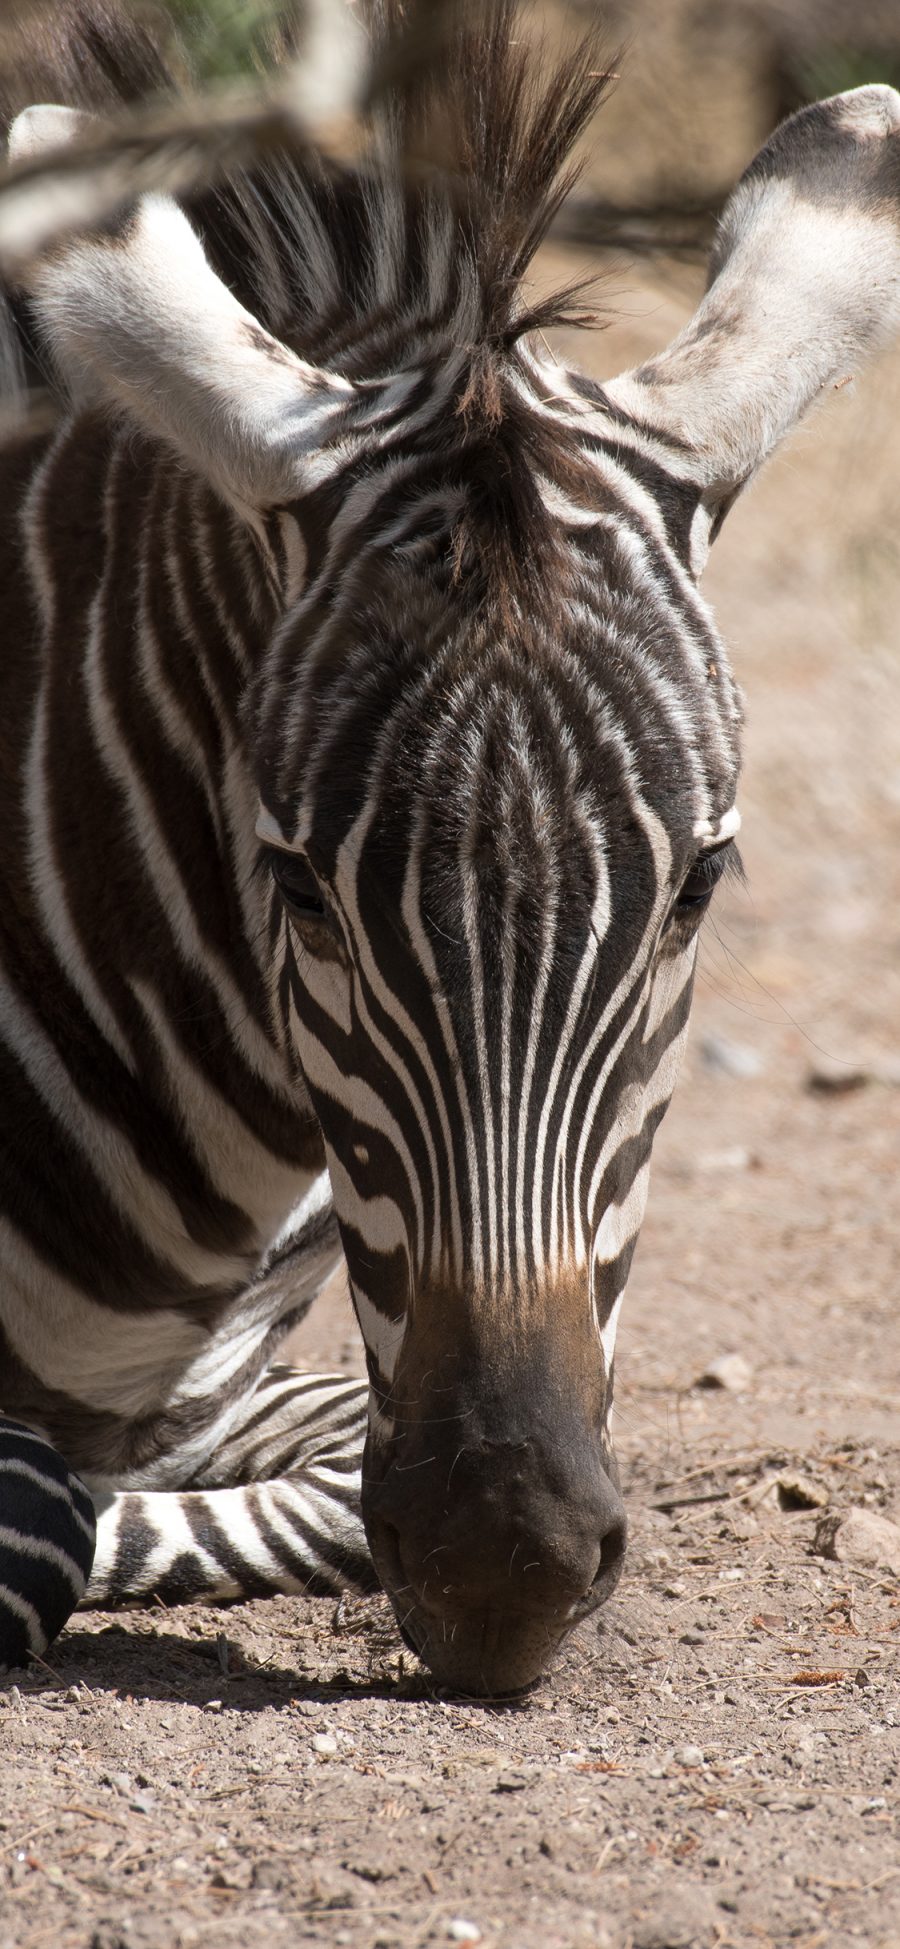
{"x": 47, "y": 1530}
{"x": 275, "y": 1510}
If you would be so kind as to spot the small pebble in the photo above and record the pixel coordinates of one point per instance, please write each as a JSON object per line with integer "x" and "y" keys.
{"x": 459, "y": 1930}
{"x": 326, "y": 1744}
{"x": 267, "y": 1874}
{"x": 689, "y": 1755}
{"x": 726, "y": 1058}
{"x": 730, "y": 1372}
{"x": 834, "y": 1078}
{"x": 860, "y": 1536}
{"x": 796, "y": 1491}
{"x": 734, "y": 1158}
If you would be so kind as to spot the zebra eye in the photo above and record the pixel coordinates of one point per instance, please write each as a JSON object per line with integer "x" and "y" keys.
{"x": 297, "y": 884}
{"x": 699, "y": 883}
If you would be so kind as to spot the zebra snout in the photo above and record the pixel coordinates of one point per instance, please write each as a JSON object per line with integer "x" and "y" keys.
{"x": 490, "y": 1555}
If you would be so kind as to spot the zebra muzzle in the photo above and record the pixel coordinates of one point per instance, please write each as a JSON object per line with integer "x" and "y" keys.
{"x": 492, "y": 1546}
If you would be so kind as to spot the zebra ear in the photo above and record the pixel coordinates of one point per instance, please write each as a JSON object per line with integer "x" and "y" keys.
{"x": 136, "y": 315}
{"x": 804, "y": 282}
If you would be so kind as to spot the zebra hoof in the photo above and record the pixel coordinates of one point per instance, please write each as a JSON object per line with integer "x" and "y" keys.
{"x": 47, "y": 1535}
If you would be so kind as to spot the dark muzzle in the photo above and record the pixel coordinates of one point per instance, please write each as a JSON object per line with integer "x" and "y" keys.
{"x": 492, "y": 1544}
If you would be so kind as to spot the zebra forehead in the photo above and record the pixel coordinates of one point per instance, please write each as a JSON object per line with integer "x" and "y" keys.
{"x": 559, "y": 642}
{"x": 510, "y": 756}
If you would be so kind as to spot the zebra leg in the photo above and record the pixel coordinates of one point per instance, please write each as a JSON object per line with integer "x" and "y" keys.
{"x": 276, "y": 1509}
{"x": 47, "y": 1530}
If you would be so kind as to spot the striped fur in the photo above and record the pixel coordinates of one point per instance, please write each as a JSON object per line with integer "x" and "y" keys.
{"x": 368, "y": 762}
{"x": 47, "y": 1534}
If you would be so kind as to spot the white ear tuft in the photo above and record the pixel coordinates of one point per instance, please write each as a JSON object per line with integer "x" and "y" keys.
{"x": 136, "y": 315}
{"x": 44, "y": 127}
{"x": 804, "y": 283}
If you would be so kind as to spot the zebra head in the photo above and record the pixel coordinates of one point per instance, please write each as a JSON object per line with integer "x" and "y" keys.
{"x": 495, "y": 742}
{"x": 487, "y": 905}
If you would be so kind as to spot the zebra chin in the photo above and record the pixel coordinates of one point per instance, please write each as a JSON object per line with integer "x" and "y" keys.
{"x": 494, "y": 1530}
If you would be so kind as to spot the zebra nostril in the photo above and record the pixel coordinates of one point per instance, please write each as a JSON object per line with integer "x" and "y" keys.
{"x": 408, "y": 1638}
{"x": 612, "y": 1557}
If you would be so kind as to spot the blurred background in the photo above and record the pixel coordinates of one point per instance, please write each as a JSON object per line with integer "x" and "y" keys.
{"x": 702, "y": 82}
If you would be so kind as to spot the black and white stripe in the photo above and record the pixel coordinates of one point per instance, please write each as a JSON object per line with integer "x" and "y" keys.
{"x": 47, "y": 1532}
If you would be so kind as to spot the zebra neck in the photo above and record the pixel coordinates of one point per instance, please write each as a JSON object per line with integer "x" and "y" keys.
{"x": 132, "y": 988}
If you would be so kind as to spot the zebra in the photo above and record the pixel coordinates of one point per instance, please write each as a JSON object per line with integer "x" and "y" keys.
{"x": 369, "y": 762}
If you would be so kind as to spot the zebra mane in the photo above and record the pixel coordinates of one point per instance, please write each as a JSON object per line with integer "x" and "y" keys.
{"x": 420, "y": 252}
{"x": 465, "y": 166}
{"x": 91, "y": 54}
{"x": 465, "y": 158}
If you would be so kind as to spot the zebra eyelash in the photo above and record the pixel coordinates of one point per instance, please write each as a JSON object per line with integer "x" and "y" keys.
{"x": 299, "y": 887}
{"x": 296, "y": 882}
{"x": 733, "y": 867}
{"x": 717, "y": 863}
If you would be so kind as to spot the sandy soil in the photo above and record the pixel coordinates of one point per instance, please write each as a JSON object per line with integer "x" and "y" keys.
{"x": 715, "y": 1760}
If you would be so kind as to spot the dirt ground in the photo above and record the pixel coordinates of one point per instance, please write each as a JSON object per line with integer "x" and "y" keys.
{"x": 713, "y": 1761}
